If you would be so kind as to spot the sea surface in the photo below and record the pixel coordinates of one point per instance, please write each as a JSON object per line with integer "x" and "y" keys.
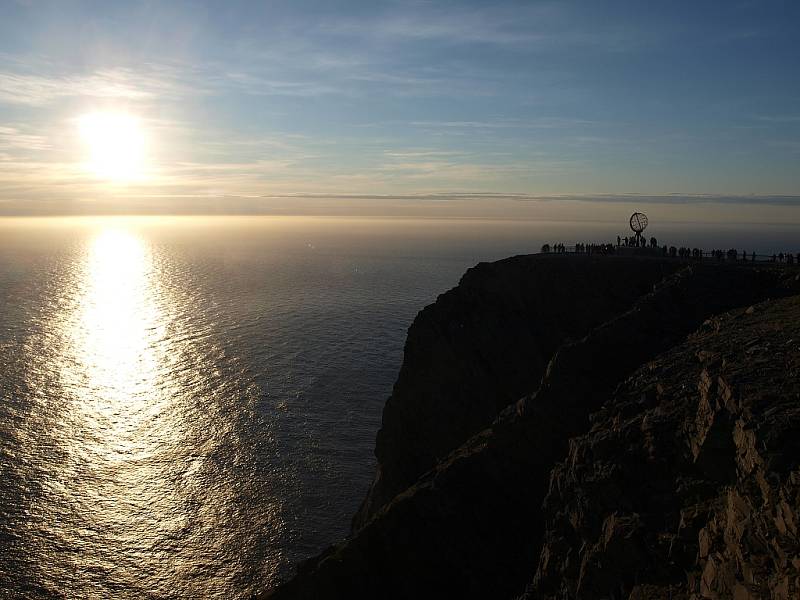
{"x": 188, "y": 406}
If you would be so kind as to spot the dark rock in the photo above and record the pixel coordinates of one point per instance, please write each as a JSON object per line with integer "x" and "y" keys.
{"x": 711, "y": 475}
{"x": 471, "y": 527}
{"x": 486, "y": 343}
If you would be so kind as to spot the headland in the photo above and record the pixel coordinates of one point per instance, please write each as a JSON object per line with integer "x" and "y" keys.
{"x": 587, "y": 426}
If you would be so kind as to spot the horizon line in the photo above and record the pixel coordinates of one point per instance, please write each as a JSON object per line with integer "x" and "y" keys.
{"x": 211, "y": 205}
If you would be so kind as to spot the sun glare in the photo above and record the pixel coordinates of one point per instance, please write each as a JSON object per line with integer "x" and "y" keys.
{"x": 115, "y": 144}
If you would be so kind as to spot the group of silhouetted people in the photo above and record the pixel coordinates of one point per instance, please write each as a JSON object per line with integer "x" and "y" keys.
{"x": 555, "y": 248}
{"x": 636, "y": 242}
{"x": 734, "y": 255}
{"x": 582, "y": 248}
{"x": 789, "y": 258}
{"x": 684, "y": 253}
{"x": 579, "y": 248}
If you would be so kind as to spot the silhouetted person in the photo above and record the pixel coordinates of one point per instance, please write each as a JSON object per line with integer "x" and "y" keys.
{"x": 754, "y": 257}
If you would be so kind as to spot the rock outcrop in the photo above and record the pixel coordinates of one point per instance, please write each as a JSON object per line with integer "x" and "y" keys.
{"x": 688, "y": 484}
{"x": 486, "y": 343}
{"x": 473, "y": 526}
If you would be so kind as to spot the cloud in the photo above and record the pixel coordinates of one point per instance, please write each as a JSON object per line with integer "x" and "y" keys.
{"x": 34, "y": 82}
{"x": 344, "y": 56}
{"x": 752, "y": 199}
{"x": 516, "y": 27}
{"x": 15, "y": 138}
{"x": 260, "y": 85}
{"x": 412, "y": 154}
{"x": 39, "y": 90}
{"x": 390, "y": 53}
{"x": 537, "y": 123}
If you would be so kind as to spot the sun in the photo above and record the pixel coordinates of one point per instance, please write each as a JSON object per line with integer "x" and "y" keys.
{"x": 115, "y": 143}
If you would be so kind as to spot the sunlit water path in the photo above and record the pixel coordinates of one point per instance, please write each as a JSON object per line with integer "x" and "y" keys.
{"x": 134, "y": 451}
{"x": 188, "y": 406}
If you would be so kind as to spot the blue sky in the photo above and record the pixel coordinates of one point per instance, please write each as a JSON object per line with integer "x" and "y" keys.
{"x": 251, "y": 99}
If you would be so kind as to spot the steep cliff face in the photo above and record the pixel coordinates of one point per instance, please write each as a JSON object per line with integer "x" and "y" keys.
{"x": 473, "y": 526}
{"x": 688, "y": 484}
{"x": 484, "y": 344}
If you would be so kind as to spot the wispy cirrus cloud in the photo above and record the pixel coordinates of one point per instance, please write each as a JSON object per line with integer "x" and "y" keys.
{"x": 750, "y": 200}
{"x": 256, "y": 84}
{"x": 38, "y": 90}
{"x": 533, "y": 123}
{"x": 473, "y": 172}
{"x": 524, "y": 27}
{"x": 415, "y": 154}
{"x": 38, "y": 82}
{"x": 343, "y": 56}
{"x": 18, "y": 137}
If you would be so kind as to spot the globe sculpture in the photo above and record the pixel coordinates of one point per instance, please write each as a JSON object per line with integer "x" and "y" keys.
{"x": 638, "y": 224}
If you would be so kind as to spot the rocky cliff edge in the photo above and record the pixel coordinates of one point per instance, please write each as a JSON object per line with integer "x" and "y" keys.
{"x": 555, "y": 498}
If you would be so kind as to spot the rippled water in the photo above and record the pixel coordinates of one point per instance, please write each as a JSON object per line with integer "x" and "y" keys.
{"x": 188, "y": 406}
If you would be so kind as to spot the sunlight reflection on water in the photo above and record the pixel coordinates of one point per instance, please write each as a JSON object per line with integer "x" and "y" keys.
{"x": 130, "y": 446}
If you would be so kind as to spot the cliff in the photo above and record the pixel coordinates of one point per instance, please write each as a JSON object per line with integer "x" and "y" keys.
{"x": 555, "y": 495}
{"x": 688, "y": 483}
{"x": 484, "y": 344}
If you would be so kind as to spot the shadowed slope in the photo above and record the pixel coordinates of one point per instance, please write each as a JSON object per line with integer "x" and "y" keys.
{"x": 484, "y": 344}
{"x": 472, "y": 527}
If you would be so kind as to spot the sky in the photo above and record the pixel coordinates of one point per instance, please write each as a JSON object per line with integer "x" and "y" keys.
{"x": 245, "y": 103}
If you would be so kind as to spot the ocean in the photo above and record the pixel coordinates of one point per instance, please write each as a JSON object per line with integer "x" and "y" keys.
{"x": 188, "y": 405}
